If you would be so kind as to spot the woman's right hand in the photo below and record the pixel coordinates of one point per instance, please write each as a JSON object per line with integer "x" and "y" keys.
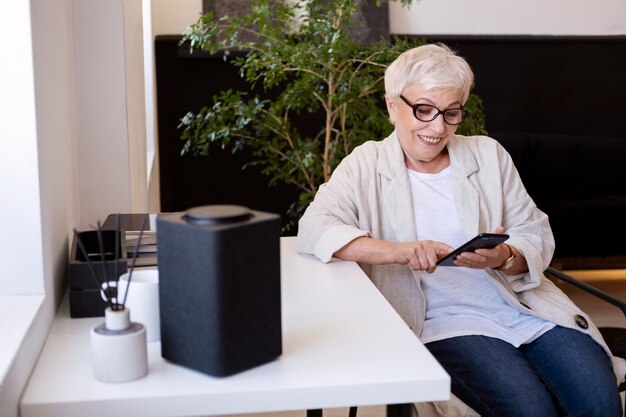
{"x": 421, "y": 255}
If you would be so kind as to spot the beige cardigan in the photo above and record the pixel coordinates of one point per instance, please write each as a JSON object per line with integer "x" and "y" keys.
{"x": 369, "y": 194}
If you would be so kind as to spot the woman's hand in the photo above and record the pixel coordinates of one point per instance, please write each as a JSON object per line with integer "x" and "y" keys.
{"x": 422, "y": 255}
{"x": 493, "y": 258}
{"x": 419, "y": 256}
{"x": 484, "y": 258}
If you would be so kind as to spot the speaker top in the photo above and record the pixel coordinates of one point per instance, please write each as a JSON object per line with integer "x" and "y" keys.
{"x": 215, "y": 214}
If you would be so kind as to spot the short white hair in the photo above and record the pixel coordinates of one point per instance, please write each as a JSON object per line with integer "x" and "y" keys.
{"x": 431, "y": 66}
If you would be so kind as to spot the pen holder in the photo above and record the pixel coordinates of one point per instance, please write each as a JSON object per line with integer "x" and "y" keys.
{"x": 118, "y": 348}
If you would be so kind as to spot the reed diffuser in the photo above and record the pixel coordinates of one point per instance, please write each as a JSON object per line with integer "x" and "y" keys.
{"x": 118, "y": 346}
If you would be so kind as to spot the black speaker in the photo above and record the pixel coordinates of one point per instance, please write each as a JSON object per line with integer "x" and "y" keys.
{"x": 219, "y": 288}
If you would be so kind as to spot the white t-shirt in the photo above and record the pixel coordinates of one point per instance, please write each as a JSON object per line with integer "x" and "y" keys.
{"x": 461, "y": 301}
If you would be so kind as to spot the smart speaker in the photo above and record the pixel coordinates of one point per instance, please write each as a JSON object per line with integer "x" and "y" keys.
{"x": 219, "y": 288}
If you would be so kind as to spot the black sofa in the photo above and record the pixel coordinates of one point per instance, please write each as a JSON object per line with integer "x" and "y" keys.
{"x": 580, "y": 182}
{"x": 554, "y": 102}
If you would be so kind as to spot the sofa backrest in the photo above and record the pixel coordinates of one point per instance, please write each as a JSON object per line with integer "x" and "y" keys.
{"x": 572, "y": 85}
{"x": 580, "y": 183}
{"x": 554, "y": 165}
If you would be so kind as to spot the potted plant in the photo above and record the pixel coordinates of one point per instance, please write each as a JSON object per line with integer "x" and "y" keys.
{"x": 302, "y": 53}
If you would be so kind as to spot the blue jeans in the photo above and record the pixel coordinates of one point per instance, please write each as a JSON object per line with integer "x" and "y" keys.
{"x": 562, "y": 373}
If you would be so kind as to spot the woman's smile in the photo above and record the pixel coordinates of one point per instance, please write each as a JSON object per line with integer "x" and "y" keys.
{"x": 430, "y": 140}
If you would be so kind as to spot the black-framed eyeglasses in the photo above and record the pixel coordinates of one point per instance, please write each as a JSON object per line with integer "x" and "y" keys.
{"x": 428, "y": 113}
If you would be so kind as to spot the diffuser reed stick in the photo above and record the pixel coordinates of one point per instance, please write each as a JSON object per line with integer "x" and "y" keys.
{"x": 104, "y": 268}
{"x": 117, "y": 252}
{"x": 132, "y": 266}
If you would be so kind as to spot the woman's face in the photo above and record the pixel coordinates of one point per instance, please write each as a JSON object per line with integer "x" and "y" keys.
{"x": 424, "y": 143}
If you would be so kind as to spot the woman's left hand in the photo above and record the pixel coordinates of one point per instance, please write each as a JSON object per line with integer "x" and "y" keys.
{"x": 485, "y": 258}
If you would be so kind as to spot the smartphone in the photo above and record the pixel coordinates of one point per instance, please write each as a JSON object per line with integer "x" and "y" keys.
{"x": 483, "y": 240}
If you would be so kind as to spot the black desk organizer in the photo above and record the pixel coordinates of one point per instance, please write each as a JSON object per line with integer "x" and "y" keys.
{"x": 85, "y": 299}
{"x": 84, "y": 292}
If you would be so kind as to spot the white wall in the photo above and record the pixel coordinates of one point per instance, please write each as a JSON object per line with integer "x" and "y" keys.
{"x": 37, "y": 176}
{"x": 476, "y": 17}
{"x": 110, "y": 108}
{"x": 172, "y": 17}
{"x": 53, "y": 58}
{"x": 20, "y": 222}
{"x": 528, "y": 17}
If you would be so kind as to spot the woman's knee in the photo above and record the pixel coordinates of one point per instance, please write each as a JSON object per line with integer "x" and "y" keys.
{"x": 579, "y": 372}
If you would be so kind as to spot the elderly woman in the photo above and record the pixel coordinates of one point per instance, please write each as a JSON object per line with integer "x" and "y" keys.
{"x": 513, "y": 343}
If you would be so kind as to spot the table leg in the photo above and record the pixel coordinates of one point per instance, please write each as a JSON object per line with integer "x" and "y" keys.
{"x": 314, "y": 413}
{"x": 399, "y": 410}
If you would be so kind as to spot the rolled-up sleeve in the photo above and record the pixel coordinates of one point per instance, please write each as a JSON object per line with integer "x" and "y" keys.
{"x": 335, "y": 216}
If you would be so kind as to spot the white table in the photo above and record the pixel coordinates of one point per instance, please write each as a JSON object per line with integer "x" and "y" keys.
{"x": 343, "y": 345}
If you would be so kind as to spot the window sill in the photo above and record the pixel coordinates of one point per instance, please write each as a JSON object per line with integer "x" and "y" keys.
{"x": 17, "y": 314}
